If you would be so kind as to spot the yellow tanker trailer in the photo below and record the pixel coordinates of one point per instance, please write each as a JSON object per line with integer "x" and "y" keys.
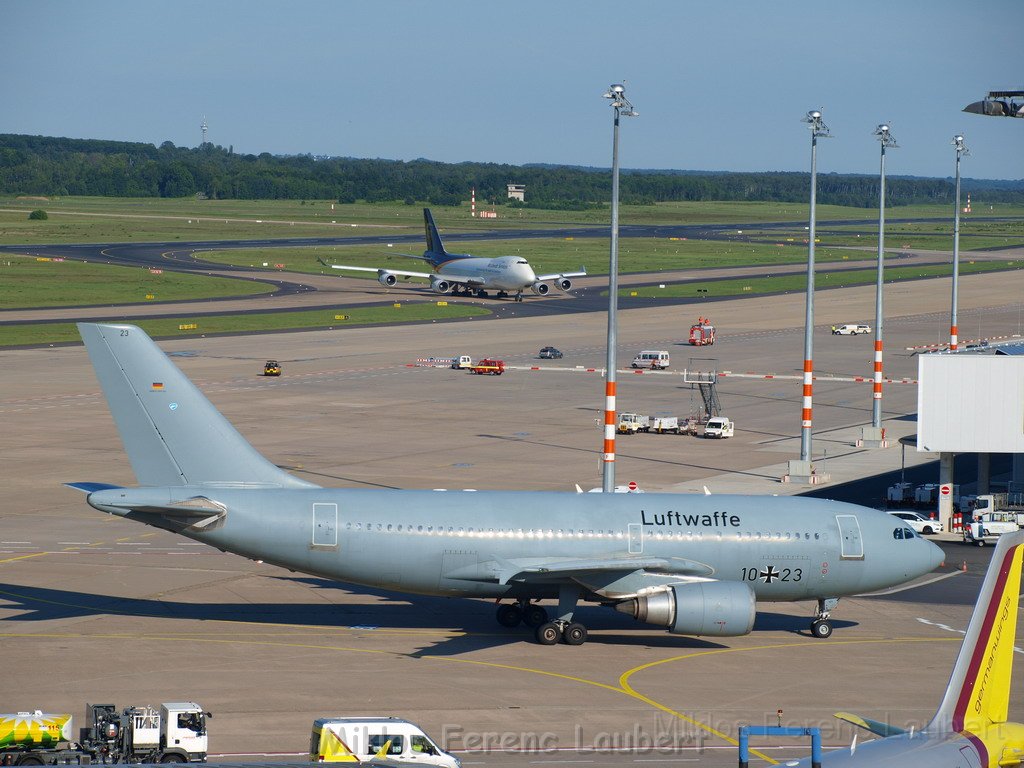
{"x": 28, "y": 730}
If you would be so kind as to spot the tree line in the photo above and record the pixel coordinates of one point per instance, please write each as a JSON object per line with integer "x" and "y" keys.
{"x": 42, "y": 165}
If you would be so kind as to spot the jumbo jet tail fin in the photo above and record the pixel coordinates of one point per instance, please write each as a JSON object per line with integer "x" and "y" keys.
{"x": 172, "y": 434}
{"x": 434, "y": 245}
{"x": 978, "y": 694}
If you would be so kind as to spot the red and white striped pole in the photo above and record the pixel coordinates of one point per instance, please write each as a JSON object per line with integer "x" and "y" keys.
{"x": 806, "y": 421}
{"x": 609, "y": 423}
{"x": 472, "y": 201}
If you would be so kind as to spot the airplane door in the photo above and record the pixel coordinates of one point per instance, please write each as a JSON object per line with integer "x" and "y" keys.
{"x": 325, "y": 525}
{"x": 850, "y": 541}
{"x": 636, "y": 539}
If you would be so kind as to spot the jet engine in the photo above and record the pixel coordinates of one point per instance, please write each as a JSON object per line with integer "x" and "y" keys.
{"x": 563, "y": 284}
{"x": 440, "y": 286}
{"x": 387, "y": 279}
{"x": 720, "y": 608}
{"x": 541, "y": 289}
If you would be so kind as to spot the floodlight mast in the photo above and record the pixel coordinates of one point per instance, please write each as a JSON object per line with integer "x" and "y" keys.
{"x": 620, "y": 107}
{"x": 886, "y": 140}
{"x": 961, "y": 150}
{"x": 818, "y": 130}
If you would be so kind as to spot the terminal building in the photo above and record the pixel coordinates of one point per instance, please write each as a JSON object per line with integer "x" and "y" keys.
{"x": 516, "y": 192}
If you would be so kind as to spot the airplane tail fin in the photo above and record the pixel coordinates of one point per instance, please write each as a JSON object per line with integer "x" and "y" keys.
{"x": 172, "y": 434}
{"x": 978, "y": 694}
{"x": 435, "y": 247}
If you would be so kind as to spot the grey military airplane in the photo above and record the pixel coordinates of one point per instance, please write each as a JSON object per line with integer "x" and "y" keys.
{"x": 970, "y": 728}
{"x": 465, "y": 273}
{"x": 695, "y": 564}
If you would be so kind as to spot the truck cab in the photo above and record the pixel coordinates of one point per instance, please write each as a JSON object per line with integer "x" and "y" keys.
{"x": 184, "y": 730}
{"x": 375, "y": 739}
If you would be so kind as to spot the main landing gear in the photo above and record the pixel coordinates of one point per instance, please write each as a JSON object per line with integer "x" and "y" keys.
{"x": 547, "y": 631}
{"x": 821, "y": 626}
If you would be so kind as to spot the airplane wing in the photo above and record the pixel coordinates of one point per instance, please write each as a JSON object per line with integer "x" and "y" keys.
{"x": 581, "y": 273}
{"x": 534, "y": 570}
{"x": 877, "y": 728}
{"x": 379, "y": 270}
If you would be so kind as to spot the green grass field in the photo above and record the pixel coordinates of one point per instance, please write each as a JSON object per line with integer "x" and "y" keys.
{"x": 27, "y": 282}
{"x": 85, "y": 219}
{"x": 797, "y": 283}
{"x": 53, "y": 333}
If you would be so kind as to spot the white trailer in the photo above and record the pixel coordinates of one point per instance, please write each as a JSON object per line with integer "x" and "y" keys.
{"x": 631, "y": 423}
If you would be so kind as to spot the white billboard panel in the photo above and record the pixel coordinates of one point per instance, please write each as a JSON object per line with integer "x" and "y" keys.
{"x": 970, "y": 403}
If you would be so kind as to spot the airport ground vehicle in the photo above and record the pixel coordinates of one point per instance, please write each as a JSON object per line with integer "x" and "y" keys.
{"x": 719, "y": 426}
{"x": 850, "y": 329}
{"x": 919, "y": 522}
{"x": 462, "y": 361}
{"x": 651, "y": 358}
{"x": 272, "y": 368}
{"x": 631, "y": 423}
{"x": 986, "y": 527}
{"x": 488, "y": 365}
{"x": 174, "y": 733}
{"x": 702, "y": 333}
{"x": 550, "y": 353}
{"x": 377, "y": 740}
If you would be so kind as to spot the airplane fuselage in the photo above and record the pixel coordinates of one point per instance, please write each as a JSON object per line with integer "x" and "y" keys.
{"x": 457, "y": 543}
{"x": 502, "y": 273}
{"x": 922, "y": 749}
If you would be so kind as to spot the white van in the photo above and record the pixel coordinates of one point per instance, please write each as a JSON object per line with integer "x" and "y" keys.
{"x": 364, "y": 739}
{"x": 719, "y": 426}
{"x": 651, "y": 358}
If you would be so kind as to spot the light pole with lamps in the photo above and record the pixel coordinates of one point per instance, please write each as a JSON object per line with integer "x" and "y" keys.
{"x": 961, "y": 150}
{"x": 874, "y": 437}
{"x": 620, "y": 107}
{"x": 802, "y": 470}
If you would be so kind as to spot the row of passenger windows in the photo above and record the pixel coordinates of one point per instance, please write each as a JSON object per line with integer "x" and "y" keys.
{"x": 578, "y": 533}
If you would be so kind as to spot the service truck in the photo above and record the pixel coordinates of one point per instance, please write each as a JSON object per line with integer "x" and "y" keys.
{"x": 702, "y": 333}
{"x": 376, "y": 741}
{"x": 986, "y": 527}
{"x": 174, "y": 733}
{"x": 631, "y": 423}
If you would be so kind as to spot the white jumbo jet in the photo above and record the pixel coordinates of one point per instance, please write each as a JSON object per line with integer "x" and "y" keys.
{"x": 465, "y": 273}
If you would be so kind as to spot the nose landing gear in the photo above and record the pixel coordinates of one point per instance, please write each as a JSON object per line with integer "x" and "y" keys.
{"x": 821, "y": 627}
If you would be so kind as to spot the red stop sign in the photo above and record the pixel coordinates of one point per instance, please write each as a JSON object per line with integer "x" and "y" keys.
{"x": 632, "y": 485}
{"x": 944, "y": 490}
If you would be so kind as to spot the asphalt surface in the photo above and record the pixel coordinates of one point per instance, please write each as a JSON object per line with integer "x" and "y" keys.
{"x": 95, "y": 608}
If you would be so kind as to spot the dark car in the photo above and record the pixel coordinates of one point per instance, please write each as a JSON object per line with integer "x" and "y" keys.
{"x": 549, "y": 353}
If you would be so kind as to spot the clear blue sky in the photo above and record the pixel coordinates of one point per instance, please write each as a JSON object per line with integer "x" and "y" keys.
{"x": 719, "y": 85}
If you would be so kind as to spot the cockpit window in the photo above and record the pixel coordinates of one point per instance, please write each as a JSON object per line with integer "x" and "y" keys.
{"x": 903, "y": 533}
{"x": 521, "y": 261}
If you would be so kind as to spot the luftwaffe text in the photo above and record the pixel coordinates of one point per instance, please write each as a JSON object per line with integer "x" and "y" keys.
{"x": 672, "y": 518}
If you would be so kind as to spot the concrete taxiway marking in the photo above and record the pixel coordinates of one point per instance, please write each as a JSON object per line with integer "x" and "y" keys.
{"x": 624, "y": 687}
{"x": 77, "y": 549}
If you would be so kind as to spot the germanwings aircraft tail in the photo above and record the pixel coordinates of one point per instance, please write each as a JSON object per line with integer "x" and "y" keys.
{"x": 978, "y": 695}
{"x": 172, "y": 434}
{"x": 971, "y": 728}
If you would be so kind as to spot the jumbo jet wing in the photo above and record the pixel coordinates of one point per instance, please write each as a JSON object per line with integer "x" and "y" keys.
{"x": 382, "y": 271}
{"x": 581, "y": 273}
